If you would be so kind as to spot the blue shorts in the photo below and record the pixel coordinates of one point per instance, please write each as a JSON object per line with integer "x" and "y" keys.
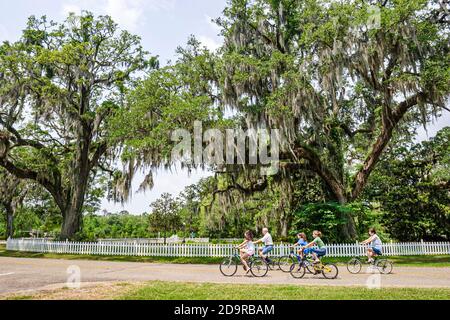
{"x": 320, "y": 252}
{"x": 377, "y": 251}
{"x": 307, "y": 251}
{"x": 267, "y": 249}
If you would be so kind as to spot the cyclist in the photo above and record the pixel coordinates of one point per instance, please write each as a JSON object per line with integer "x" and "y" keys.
{"x": 247, "y": 249}
{"x": 268, "y": 245}
{"x": 318, "y": 248}
{"x": 302, "y": 243}
{"x": 376, "y": 246}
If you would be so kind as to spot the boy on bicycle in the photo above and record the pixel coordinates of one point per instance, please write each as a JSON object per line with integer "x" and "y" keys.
{"x": 268, "y": 245}
{"x": 376, "y": 246}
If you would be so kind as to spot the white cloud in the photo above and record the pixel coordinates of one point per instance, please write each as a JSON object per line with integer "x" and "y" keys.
{"x": 70, "y": 8}
{"x": 129, "y": 14}
{"x": 212, "y": 24}
{"x": 210, "y": 43}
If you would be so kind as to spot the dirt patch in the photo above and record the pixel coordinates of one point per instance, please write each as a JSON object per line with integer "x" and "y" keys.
{"x": 93, "y": 291}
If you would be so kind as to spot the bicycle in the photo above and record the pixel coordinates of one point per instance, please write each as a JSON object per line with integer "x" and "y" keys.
{"x": 285, "y": 262}
{"x": 384, "y": 266}
{"x": 272, "y": 264}
{"x": 258, "y": 267}
{"x": 328, "y": 270}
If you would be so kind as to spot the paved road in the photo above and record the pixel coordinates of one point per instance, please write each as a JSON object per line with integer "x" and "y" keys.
{"x": 21, "y": 275}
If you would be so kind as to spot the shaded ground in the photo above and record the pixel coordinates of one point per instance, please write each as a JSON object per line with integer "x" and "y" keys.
{"x": 26, "y": 276}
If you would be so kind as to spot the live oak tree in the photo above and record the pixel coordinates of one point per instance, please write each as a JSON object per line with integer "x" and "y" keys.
{"x": 12, "y": 194}
{"x": 165, "y": 216}
{"x": 59, "y": 86}
{"x": 340, "y": 79}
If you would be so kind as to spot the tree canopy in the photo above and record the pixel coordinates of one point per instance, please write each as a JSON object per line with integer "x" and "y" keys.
{"x": 59, "y": 86}
{"x": 342, "y": 80}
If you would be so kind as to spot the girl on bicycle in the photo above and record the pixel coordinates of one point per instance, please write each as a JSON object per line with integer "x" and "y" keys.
{"x": 302, "y": 243}
{"x": 376, "y": 246}
{"x": 318, "y": 248}
{"x": 247, "y": 249}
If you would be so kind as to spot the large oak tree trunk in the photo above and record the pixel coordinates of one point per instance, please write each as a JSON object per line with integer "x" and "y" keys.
{"x": 73, "y": 213}
{"x": 9, "y": 221}
{"x": 71, "y": 224}
{"x": 348, "y": 230}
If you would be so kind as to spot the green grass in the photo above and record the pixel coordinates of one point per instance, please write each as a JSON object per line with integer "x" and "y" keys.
{"x": 191, "y": 291}
{"x": 406, "y": 261}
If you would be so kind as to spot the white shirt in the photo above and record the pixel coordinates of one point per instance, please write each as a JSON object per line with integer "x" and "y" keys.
{"x": 251, "y": 246}
{"x": 376, "y": 242}
{"x": 267, "y": 239}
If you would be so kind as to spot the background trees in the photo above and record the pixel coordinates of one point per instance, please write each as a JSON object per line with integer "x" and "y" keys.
{"x": 59, "y": 86}
{"x": 165, "y": 216}
{"x": 412, "y": 187}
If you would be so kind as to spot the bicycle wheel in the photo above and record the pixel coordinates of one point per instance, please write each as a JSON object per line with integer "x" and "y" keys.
{"x": 273, "y": 265}
{"x": 298, "y": 271}
{"x": 229, "y": 267}
{"x": 354, "y": 266}
{"x": 330, "y": 271}
{"x": 285, "y": 263}
{"x": 309, "y": 267}
{"x": 259, "y": 268}
{"x": 385, "y": 266}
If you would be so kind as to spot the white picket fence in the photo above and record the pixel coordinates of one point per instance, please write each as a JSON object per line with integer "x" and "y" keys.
{"x": 209, "y": 250}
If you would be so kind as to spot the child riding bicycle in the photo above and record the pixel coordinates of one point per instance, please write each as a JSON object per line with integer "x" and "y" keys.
{"x": 302, "y": 243}
{"x": 247, "y": 249}
{"x": 376, "y": 246}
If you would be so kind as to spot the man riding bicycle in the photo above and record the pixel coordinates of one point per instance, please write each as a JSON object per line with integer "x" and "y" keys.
{"x": 268, "y": 245}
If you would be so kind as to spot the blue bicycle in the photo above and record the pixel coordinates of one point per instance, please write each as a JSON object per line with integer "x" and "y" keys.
{"x": 285, "y": 263}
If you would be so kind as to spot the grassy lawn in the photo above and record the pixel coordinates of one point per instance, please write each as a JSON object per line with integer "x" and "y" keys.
{"x": 177, "y": 291}
{"x": 406, "y": 261}
{"x": 192, "y": 291}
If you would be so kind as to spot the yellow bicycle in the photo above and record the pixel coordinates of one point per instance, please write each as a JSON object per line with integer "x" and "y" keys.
{"x": 328, "y": 270}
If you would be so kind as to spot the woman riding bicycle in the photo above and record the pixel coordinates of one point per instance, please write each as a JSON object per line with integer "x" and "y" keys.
{"x": 318, "y": 248}
{"x": 376, "y": 246}
{"x": 247, "y": 249}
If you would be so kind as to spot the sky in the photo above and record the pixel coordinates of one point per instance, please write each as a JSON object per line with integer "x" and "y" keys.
{"x": 163, "y": 26}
